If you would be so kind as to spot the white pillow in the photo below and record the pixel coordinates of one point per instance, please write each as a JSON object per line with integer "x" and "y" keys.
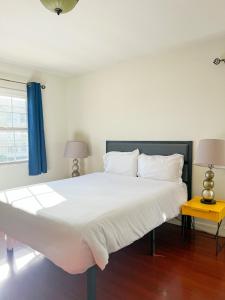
{"x": 159, "y": 167}
{"x": 123, "y": 163}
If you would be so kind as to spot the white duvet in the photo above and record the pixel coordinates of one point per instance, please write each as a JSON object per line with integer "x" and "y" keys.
{"x": 78, "y": 222}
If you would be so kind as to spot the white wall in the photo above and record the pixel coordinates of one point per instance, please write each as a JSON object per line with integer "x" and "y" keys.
{"x": 178, "y": 95}
{"x": 13, "y": 175}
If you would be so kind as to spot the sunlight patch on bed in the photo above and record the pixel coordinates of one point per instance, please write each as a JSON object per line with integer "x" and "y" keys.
{"x": 17, "y": 194}
{"x": 33, "y": 198}
{"x": 30, "y": 205}
{"x": 40, "y": 189}
{"x": 50, "y": 199}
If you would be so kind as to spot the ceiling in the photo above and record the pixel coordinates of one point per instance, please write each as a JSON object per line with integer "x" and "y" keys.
{"x": 102, "y": 32}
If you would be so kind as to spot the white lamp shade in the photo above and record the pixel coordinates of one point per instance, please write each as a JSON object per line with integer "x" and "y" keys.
{"x": 211, "y": 152}
{"x": 76, "y": 149}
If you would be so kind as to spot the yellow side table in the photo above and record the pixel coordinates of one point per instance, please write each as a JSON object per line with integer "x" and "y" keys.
{"x": 215, "y": 213}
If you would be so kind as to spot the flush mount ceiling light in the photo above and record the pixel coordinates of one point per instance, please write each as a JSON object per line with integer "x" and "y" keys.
{"x": 59, "y": 6}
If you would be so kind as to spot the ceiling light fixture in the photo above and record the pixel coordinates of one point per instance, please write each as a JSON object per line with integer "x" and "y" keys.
{"x": 59, "y": 6}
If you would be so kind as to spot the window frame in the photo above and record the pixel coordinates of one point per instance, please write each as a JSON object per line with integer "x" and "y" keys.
{"x": 15, "y": 129}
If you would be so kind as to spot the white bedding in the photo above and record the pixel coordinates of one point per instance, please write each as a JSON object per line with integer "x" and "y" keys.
{"x": 77, "y": 222}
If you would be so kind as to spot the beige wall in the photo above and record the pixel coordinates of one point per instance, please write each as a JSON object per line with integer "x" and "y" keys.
{"x": 178, "y": 95}
{"x": 13, "y": 175}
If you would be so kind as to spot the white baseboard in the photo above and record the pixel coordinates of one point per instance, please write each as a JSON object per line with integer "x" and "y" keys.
{"x": 203, "y": 225}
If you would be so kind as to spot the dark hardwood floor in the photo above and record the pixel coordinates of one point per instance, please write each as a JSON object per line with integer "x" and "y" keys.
{"x": 180, "y": 270}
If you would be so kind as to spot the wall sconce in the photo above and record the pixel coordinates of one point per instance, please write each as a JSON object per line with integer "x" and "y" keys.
{"x": 217, "y": 61}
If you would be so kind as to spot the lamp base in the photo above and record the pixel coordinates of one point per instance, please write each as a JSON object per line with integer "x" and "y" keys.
{"x": 208, "y": 201}
{"x": 75, "y": 168}
{"x": 208, "y": 184}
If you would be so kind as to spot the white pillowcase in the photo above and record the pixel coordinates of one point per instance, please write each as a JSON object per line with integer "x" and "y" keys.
{"x": 161, "y": 167}
{"x": 123, "y": 163}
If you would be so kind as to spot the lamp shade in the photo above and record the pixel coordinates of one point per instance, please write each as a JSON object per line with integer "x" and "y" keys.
{"x": 59, "y": 6}
{"x": 76, "y": 149}
{"x": 211, "y": 152}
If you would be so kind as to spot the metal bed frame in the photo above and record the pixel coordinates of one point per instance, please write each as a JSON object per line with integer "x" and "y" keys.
{"x": 150, "y": 148}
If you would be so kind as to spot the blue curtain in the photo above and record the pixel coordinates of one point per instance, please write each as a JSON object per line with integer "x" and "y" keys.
{"x": 36, "y": 135}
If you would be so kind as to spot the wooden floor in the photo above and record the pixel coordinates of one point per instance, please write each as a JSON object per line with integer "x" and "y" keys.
{"x": 179, "y": 271}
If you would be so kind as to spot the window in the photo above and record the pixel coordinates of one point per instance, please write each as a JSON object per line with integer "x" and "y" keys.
{"x": 13, "y": 129}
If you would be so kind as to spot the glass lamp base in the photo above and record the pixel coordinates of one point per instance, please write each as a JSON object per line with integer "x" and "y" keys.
{"x": 208, "y": 201}
{"x": 75, "y": 168}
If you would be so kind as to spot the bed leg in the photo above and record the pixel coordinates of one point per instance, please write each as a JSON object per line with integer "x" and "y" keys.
{"x": 91, "y": 283}
{"x": 9, "y": 245}
{"x": 188, "y": 222}
{"x": 152, "y": 242}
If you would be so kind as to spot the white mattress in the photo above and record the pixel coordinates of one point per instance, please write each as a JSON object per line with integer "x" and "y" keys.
{"x": 78, "y": 222}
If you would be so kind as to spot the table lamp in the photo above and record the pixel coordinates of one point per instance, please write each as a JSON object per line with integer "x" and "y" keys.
{"x": 211, "y": 154}
{"x": 75, "y": 150}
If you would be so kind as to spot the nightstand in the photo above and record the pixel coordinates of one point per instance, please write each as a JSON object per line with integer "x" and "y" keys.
{"x": 215, "y": 213}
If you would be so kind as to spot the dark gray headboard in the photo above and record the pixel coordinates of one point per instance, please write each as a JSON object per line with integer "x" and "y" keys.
{"x": 160, "y": 148}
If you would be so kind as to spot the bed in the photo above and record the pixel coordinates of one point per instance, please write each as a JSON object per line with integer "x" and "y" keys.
{"x": 78, "y": 222}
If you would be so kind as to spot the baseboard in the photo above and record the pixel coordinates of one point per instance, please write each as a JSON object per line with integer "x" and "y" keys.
{"x": 209, "y": 227}
{"x": 175, "y": 221}
{"x": 203, "y": 225}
